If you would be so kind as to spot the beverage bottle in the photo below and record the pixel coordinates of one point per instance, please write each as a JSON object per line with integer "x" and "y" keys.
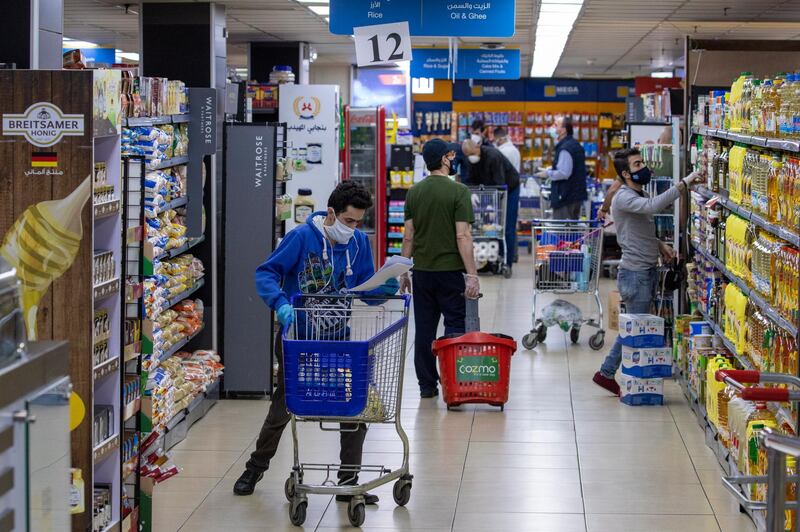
{"x": 785, "y": 119}
{"x": 743, "y": 111}
{"x": 754, "y": 108}
{"x": 794, "y": 106}
{"x": 771, "y": 107}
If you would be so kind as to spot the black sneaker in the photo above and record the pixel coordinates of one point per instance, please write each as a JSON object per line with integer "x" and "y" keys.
{"x": 369, "y": 498}
{"x": 428, "y": 394}
{"x": 247, "y": 482}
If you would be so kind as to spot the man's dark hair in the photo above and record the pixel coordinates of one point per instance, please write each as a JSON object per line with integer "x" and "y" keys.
{"x": 567, "y": 122}
{"x": 500, "y": 131}
{"x": 621, "y": 160}
{"x": 349, "y": 194}
{"x": 477, "y": 124}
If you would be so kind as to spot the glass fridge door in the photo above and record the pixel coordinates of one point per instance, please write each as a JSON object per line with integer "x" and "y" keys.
{"x": 362, "y": 165}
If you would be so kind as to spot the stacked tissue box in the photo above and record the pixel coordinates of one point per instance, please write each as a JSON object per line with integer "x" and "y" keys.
{"x": 646, "y": 360}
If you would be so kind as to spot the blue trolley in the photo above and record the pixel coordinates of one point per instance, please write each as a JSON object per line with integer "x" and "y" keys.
{"x": 343, "y": 359}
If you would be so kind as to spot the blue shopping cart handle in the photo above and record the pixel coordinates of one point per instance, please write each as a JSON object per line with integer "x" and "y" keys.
{"x": 594, "y": 223}
{"x": 297, "y": 299}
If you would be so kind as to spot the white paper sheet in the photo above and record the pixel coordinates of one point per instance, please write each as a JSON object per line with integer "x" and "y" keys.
{"x": 394, "y": 267}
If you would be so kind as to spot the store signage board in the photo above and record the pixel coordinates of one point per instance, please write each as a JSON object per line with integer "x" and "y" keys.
{"x": 560, "y": 90}
{"x": 382, "y": 44}
{"x": 508, "y": 90}
{"x": 97, "y": 55}
{"x": 202, "y": 142}
{"x": 472, "y": 64}
{"x": 431, "y": 18}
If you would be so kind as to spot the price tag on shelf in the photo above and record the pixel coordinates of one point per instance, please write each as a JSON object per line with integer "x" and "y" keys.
{"x": 382, "y": 44}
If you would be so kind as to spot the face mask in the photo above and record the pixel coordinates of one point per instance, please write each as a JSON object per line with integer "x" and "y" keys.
{"x": 451, "y": 167}
{"x": 477, "y": 139}
{"x": 642, "y": 177}
{"x": 553, "y": 132}
{"x": 339, "y": 232}
{"x": 474, "y": 159}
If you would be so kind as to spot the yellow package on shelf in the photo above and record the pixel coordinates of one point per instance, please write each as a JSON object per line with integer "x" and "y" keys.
{"x": 714, "y": 388}
{"x": 735, "y": 309}
{"x": 737, "y": 246}
{"x": 736, "y": 158}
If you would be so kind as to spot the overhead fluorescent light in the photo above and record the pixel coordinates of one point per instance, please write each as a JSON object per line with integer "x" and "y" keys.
{"x": 661, "y": 75}
{"x": 327, "y": 19}
{"x": 130, "y": 56}
{"x": 322, "y": 11}
{"x": 72, "y": 43}
{"x": 556, "y": 20}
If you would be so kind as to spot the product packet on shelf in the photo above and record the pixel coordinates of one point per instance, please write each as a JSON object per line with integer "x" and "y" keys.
{"x": 639, "y": 392}
{"x": 641, "y": 330}
{"x": 647, "y": 362}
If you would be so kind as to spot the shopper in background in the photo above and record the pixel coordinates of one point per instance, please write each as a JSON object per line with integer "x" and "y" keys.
{"x": 489, "y": 167}
{"x": 568, "y": 174}
{"x": 633, "y": 213}
{"x": 507, "y": 147}
{"x": 479, "y": 133}
{"x": 438, "y": 216}
{"x": 326, "y": 255}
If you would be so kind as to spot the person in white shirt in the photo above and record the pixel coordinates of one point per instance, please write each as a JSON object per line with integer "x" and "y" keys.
{"x": 507, "y": 148}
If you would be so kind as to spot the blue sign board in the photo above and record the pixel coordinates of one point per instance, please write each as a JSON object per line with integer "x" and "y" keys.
{"x": 614, "y": 90}
{"x": 98, "y": 55}
{"x": 489, "y": 91}
{"x": 560, "y": 90}
{"x": 472, "y": 64}
{"x": 432, "y": 18}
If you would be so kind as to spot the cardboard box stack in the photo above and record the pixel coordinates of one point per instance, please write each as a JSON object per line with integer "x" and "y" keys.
{"x": 646, "y": 360}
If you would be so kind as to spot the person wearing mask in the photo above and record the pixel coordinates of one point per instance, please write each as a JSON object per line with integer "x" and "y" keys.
{"x": 568, "y": 174}
{"x": 479, "y": 133}
{"x": 326, "y": 255}
{"x": 438, "y": 218}
{"x": 634, "y": 214}
{"x": 489, "y": 167}
{"x": 507, "y": 148}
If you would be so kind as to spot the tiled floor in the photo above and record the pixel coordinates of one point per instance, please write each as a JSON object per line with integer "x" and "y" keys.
{"x": 564, "y": 456}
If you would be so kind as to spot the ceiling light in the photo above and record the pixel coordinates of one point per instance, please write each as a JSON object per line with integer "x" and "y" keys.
{"x": 556, "y": 20}
{"x": 323, "y": 11}
{"x": 72, "y": 43}
{"x": 661, "y": 75}
{"x": 130, "y": 56}
{"x": 314, "y": 1}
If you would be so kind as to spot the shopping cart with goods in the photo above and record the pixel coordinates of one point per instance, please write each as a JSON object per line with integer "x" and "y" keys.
{"x": 566, "y": 260}
{"x": 474, "y": 367}
{"x": 488, "y": 231}
{"x": 770, "y": 495}
{"x": 343, "y": 363}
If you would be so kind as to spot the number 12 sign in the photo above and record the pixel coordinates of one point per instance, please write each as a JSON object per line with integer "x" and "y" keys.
{"x": 382, "y": 44}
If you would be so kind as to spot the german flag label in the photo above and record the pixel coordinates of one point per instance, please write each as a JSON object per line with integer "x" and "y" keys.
{"x": 44, "y": 159}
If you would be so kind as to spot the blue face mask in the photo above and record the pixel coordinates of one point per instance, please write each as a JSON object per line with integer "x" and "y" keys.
{"x": 642, "y": 177}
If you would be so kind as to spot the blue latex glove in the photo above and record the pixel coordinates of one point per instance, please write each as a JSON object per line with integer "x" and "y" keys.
{"x": 286, "y": 315}
{"x": 389, "y": 288}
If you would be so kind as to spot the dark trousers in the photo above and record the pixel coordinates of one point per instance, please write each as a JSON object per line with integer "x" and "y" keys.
{"x": 570, "y": 211}
{"x": 435, "y": 293}
{"x": 512, "y": 213}
{"x": 351, "y": 441}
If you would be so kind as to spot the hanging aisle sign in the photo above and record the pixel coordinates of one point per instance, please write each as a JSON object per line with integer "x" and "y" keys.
{"x": 432, "y": 18}
{"x": 472, "y": 64}
{"x": 382, "y": 44}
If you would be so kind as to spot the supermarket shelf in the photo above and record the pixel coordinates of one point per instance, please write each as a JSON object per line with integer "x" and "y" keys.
{"x": 155, "y": 120}
{"x": 131, "y": 409}
{"x": 106, "y": 289}
{"x": 746, "y": 364}
{"x": 105, "y": 448}
{"x": 753, "y": 140}
{"x": 178, "y": 346}
{"x": 395, "y": 235}
{"x": 756, "y": 219}
{"x": 131, "y": 351}
{"x": 397, "y": 220}
{"x": 184, "y": 248}
{"x": 393, "y": 251}
{"x": 169, "y": 163}
{"x": 106, "y": 209}
{"x": 196, "y": 402}
{"x": 106, "y": 368}
{"x": 180, "y": 297}
{"x": 754, "y": 296}
{"x": 112, "y": 526}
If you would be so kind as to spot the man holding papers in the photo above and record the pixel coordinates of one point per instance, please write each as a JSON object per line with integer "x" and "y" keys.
{"x": 326, "y": 255}
{"x": 438, "y": 216}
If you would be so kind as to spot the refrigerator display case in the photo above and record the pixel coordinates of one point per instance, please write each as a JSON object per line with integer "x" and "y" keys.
{"x": 364, "y": 158}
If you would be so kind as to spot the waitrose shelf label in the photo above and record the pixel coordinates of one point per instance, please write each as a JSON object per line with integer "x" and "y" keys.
{"x": 432, "y": 18}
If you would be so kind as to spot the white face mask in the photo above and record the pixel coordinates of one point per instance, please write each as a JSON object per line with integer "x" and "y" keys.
{"x": 477, "y": 139}
{"x": 553, "y": 132}
{"x": 474, "y": 159}
{"x": 339, "y": 232}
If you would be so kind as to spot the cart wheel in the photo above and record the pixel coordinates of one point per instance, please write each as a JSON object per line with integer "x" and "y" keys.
{"x": 506, "y": 271}
{"x": 297, "y": 513}
{"x": 401, "y": 492}
{"x": 502, "y": 408}
{"x": 288, "y": 488}
{"x": 597, "y": 340}
{"x": 541, "y": 333}
{"x": 574, "y": 333}
{"x": 356, "y": 513}
{"x": 529, "y": 341}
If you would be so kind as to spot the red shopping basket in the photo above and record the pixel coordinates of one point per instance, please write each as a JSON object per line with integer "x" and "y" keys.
{"x": 475, "y": 368}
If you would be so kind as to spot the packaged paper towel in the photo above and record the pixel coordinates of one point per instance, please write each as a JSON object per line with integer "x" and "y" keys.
{"x": 641, "y": 330}
{"x": 647, "y": 362}
{"x": 637, "y": 392}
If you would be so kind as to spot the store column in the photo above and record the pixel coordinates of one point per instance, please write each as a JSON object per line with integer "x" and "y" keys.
{"x": 263, "y": 56}
{"x": 31, "y": 33}
{"x": 187, "y": 42}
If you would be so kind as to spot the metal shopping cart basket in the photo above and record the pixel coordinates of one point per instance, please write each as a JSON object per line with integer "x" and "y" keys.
{"x": 566, "y": 260}
{"x": 343, "y": 363}
{"x": 769, "y": 508}
{"x": 489, "y": 229}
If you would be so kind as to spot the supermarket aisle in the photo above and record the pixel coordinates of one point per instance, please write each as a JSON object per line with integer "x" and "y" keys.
{"x": 563, "y": 457}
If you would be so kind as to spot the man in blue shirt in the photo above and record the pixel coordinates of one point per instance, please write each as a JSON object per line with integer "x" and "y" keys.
{"x": 568, "y": 175}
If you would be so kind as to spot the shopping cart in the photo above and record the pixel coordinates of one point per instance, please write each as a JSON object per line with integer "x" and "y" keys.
{"x": 343, "y": 363}
{"x": 566, "y": 260}
{"x": 488, "y": 231}
{"x": 777, "y": 513}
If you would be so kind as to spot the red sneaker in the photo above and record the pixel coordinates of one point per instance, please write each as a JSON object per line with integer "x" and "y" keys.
{"x": 606, "y": 383}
